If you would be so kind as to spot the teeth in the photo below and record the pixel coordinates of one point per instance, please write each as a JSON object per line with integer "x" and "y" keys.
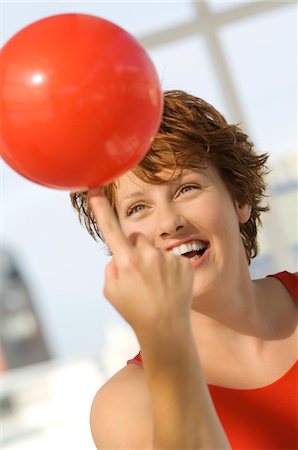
{"x": 189, "y": 247}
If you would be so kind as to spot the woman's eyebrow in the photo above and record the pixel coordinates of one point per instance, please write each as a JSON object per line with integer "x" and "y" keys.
{"x": 131, "y": 195}
{"x": 172, "y": 181}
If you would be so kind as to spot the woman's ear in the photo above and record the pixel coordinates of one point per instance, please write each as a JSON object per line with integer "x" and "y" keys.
{"x": 243, "y": 212}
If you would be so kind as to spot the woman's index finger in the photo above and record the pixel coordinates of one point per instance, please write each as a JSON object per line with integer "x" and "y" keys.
{"x": 108, "y": 223}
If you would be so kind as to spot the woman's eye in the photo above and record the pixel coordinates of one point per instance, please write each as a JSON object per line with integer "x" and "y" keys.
{"x": 135, "y": 209}
{"x": 188, "y": 187}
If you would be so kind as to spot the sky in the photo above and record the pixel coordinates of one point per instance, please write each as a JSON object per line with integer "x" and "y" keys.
{"x": 61, "y": 264}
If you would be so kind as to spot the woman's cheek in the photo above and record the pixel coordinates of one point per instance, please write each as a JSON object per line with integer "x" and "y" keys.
{"x": 209, "y": 216}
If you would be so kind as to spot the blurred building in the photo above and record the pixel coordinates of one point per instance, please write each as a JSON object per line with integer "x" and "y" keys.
{"x": 278, "y": 239}
{"x": 21, "y": 337}
{"x": 46, "y": 405}
{"x": 42, "y": 402}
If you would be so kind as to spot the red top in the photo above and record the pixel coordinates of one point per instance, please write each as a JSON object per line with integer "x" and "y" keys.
{"x": 263, "y": 418}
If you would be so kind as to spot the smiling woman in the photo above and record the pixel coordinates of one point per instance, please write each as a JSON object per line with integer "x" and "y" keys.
{"x": 192, "y": 135}
{"x": 218, "y": 349}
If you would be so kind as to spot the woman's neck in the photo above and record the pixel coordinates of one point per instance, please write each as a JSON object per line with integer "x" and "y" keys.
{"x": 232, "y": 306}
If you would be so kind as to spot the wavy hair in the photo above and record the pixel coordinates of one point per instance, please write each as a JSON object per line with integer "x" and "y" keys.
{"x": 193, "y": 135}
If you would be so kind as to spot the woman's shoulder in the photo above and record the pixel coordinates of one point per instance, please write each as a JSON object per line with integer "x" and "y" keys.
{"x": 281, "y": 285}
{"x": 121, "y": 415}
{"x": 289, "y": 280}
{"x": 278, "y": 301}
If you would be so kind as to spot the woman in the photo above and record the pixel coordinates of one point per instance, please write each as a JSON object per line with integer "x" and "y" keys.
{"x": 217, "y": 366}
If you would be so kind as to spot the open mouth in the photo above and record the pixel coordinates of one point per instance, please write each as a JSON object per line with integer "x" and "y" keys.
{"x": 194, "y": 254}
{"x": 192, "y": 250}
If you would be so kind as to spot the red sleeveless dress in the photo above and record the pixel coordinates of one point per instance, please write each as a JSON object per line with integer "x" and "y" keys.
{"x": 264, "y": 418}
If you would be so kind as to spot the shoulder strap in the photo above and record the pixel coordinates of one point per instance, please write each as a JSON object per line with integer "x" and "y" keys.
{"x": 290, "y": 281}
{"x": 136, "y": 360}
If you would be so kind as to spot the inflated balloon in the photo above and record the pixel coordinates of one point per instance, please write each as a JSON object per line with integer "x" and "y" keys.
{"x": 80, "y": 101}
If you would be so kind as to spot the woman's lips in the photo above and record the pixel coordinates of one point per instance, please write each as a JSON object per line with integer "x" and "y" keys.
{"x": 198, "y": 261}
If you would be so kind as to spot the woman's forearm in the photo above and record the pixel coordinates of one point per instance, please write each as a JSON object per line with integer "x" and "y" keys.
{"x": 183, "y": 412}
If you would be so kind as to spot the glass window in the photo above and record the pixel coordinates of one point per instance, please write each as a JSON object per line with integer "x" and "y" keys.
{"x": 186, "y": 65}
{"x": 261, "y": 52}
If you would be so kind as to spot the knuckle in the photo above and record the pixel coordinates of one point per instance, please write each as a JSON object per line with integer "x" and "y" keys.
{"x": 128, "y": 261}
{"x": 153, "y": 255}
{"x": 106, "y": 291}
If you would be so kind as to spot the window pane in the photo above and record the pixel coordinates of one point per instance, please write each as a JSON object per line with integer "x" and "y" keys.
{"x": 186, "y": 65}
{"x": 262, "y": 55}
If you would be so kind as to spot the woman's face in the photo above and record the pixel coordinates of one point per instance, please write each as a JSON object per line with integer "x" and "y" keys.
{"x": 192, "y": 214}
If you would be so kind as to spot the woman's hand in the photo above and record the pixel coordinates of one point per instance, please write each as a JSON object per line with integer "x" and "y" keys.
{"x": 151, "y": 288}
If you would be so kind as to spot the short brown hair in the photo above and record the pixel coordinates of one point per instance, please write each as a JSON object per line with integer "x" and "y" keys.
{"x": 193, "y": 134}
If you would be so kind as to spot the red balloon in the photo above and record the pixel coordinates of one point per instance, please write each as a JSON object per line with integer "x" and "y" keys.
{"x": 80, "y": 101}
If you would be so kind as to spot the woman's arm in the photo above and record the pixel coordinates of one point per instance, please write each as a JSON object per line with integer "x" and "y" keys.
{"x": 183, "y": 413}
{"x": 152, "y": 290}
{"x": 130, "y": 411}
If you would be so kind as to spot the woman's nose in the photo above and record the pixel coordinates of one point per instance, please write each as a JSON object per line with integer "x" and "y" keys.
{"x": 170, "y": 222}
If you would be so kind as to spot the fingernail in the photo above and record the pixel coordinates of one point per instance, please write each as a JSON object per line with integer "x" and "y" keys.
{"x": 95, "y": 192}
